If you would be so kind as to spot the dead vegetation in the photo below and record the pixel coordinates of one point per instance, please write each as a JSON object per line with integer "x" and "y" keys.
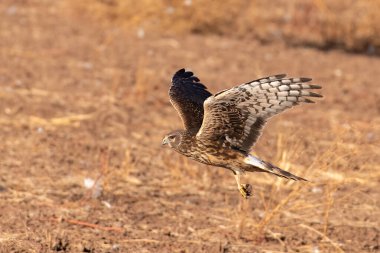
{"x": 83, "y": 108}
{"x": 349, "y": 25}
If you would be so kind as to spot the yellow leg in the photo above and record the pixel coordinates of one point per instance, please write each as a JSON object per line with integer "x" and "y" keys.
{"x": 245, "y": 189}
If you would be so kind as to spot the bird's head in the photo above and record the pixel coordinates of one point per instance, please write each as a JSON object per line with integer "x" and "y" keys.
{"x": 172, "y": 139}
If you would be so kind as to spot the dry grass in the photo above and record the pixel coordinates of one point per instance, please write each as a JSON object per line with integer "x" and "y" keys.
{"x": 351, "y": 25}
{"x": 84, "y": 98}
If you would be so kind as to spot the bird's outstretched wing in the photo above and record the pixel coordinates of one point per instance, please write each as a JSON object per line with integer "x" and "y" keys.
{"x": 237, "y": 115}
{"x": 187, "y": 95}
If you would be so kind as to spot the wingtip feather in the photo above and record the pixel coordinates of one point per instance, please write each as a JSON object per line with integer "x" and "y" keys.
{"x": 314, "y": 86}
{"x": 279, "y": 76}
{"x": 313, "y": 94}
{"x": 305, "y": 79}
{"x": 309, "y": 101}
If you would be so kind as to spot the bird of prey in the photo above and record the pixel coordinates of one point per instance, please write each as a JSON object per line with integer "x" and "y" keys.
{"x": 221, "y": 129}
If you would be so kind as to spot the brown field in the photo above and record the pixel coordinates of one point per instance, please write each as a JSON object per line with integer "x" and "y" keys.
{"x": 83, "y": 95}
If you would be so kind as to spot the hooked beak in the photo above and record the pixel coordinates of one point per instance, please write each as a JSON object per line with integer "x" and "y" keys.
{"x": 164, "y": 142}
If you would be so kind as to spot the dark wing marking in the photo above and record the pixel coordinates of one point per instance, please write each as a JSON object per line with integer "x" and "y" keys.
{"x": 239, "y": 114}
{"x": 187, "y": 95}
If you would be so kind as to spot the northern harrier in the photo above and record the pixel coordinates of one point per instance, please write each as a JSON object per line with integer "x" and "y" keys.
{"x": 221, "y": 129}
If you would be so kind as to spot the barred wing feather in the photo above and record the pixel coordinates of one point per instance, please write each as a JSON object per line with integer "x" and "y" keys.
{"x": 237, "y": 115}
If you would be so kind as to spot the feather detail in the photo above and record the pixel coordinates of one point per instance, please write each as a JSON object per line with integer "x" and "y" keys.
{"x": 241, "y": 112}
{"x": 187, "y": 95}
{"x": 268, "y": 167}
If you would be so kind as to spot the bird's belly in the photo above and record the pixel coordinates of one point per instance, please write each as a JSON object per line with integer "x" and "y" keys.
{"x": 223, "y": 159}
{"x": 206, "y": 158}
{"x": 215, "y": 159}
{"x": 216, "y": 155}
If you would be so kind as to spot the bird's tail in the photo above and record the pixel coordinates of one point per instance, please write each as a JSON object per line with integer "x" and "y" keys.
{"x": 260, "y": 165}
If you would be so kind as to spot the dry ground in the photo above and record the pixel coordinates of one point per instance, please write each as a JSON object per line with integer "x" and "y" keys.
{"x": 81, "y": 99}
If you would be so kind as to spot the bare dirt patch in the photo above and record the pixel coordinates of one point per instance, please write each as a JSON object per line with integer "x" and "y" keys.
{"x": 85, "y": 100}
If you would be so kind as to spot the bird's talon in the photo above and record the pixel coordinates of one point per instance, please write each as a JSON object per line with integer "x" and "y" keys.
{"x": 245, "y": 190}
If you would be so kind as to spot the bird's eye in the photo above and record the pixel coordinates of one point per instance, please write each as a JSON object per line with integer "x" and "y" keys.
{"x": 171, "y": 137}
